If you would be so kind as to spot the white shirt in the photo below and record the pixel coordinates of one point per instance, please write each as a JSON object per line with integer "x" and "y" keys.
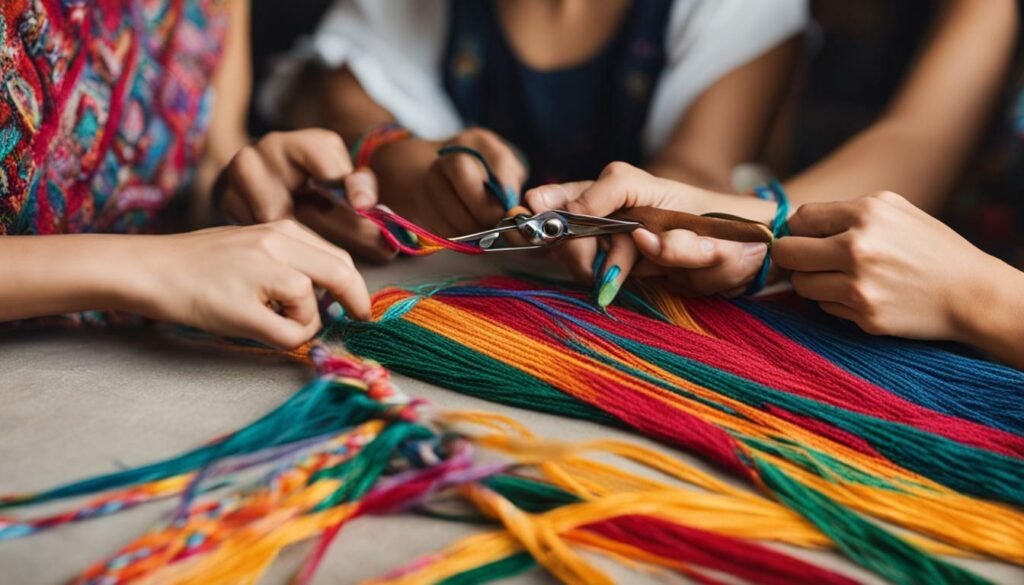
{"x": 395, "y": 49}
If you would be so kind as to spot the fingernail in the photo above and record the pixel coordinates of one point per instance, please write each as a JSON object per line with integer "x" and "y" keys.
{"x": 511, "y": 197}
{"x": 647, "y": 241}
{"x": 360, "y": 199}
{"x": 609, "y": 285}
{"x": 751, "y": 250}
{"x": 707, "y": 246}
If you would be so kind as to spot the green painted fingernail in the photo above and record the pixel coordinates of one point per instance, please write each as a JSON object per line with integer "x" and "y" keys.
{"x": 609, "y": 285}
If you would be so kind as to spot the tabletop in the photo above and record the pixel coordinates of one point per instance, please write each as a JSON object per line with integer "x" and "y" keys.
{"x": 76, "y": 403}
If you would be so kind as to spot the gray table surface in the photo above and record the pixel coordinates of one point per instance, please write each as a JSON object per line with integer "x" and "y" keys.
{"x": 79, "y": 403}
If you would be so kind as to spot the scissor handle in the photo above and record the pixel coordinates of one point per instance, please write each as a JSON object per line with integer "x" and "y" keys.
{"x": 719, "y": 226}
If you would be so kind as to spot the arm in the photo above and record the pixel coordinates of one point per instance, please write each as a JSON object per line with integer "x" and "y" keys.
{"x": 727, "y": 125}
{"x": 990, "y": 314}
{"x": 254, "y": 282}
{"x": 232, "y": 88}
{"x": 921, "y": 143}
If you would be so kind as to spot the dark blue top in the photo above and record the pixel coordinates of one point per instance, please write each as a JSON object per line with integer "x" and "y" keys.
{"x": 569, "y": 122}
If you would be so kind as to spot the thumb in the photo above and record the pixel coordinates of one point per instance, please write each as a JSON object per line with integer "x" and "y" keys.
{"x": 316, "y": 153}
{"x": 555, "y": 196}
{"x": 681, "y": 248}
{"x": 361, "y": 187}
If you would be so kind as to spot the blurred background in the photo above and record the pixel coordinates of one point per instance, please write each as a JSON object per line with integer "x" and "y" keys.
{"x": 856, "y": 55}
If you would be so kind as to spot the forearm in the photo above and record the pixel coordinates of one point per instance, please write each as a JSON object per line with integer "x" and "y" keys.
{"x": 727, "y": 125}
{"x": 338, "y": 103}
{"x": 227, "y": 133}
{"x": 921, "y": 144}
{"x": 990, "y": 313}
{"x": 52, "y": 275}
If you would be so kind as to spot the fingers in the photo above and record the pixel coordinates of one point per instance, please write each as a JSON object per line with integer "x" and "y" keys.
{"x": 506, "y": 166}
{"x": 262, "y": 177}
{"x": 821, "y": 220}
{"x": 555, "y": 196}
{"x": 268, "y": 326}
{"x": 681, "y": 248}
{"x": 326, "y": 266}
{"x": 314, "y": 152}
{"x": 806, "y": 254}
{"x": 361, "y": 187}
{"x": 451, "y": 219}
{"x": 831, "y": 287}
{"x": 621, "y": 185}
{"x": 467, "y": 178}
{"x": 701, "y": 266}
{"x": 841, "y": 311}
{"x": 253, "y": 193}
{"x": 508, "y": 169}
{"x": 621, "y": 257}
{"x": 293, "y": 295}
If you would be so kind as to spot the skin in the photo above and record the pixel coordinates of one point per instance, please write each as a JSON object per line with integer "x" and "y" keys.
{"x": 893, "y": 269}
{"x": 691, "y": 264}
{"x": 257, "y": 281}
{"x": 918, "y": 147}
{"x": 724, "y": 127}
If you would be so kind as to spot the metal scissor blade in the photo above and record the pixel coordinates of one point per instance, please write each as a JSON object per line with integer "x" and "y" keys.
{"x": 583, "y": 226}
{"x": 493, "y": 240}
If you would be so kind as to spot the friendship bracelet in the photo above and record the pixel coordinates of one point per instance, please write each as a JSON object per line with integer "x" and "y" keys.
{"x": 773, "y": 191}
{"x": 371, "y": 140}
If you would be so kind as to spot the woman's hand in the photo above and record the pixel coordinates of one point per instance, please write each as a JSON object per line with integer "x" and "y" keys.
{"x": 269, "y": 181}
{"x": 693, "y": 264}
{"x": 889, "y": 267}
{"x": 255, "y": 282}
{"x": 446, "y": 194}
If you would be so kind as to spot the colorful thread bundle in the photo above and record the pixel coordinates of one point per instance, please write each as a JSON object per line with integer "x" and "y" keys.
{"x": 940, "y": 454}
{"x": 409, "y": 238}
{"x": 349, "y": 445}
{"x": 838, "y": 434}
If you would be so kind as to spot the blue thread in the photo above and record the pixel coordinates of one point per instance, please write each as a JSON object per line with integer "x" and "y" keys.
{"x": 922, "y": 373}
{"x": 772, "y": 192}
{"x": 15, "y": 531}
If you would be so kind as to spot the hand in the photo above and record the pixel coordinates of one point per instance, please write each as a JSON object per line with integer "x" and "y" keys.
{"x": 692, "y": 264}
{"x": 268, "y": 181}
{"x": 446, "y": 194}
{"x": 884, "y": 264}
{"x": 255, "y": 282}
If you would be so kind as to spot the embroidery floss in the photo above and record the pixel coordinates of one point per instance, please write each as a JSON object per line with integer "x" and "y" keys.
{"x": 727, "y": 386}
{"x": 839, "y": 436}
{"x": 361, "y": 448}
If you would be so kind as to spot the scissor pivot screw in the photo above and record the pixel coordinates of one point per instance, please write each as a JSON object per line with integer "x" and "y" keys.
{"x": 553, "y": 228}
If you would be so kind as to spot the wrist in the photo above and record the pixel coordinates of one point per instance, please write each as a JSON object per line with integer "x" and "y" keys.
{"x": 374, "y": 139}
{"x": 121, "y": 276}
{"x": 985, "y": 313}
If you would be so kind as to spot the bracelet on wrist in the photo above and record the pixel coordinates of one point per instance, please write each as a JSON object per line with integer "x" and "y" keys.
{"x": 375, "y": 137}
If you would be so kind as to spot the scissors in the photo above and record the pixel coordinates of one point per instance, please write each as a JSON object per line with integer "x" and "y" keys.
{"x": 549, "y": 228}
{"x": 544, "y": 229}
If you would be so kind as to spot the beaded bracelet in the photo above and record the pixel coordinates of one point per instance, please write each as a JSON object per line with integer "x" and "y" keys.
{"x": 773, "y": 191}
{"x": 370, "y": 141}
